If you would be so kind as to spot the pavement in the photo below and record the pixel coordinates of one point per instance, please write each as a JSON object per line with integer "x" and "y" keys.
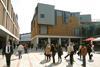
{"x": 37, "y": 59}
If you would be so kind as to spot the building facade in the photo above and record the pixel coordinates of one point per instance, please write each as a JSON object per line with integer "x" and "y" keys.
{"x": 90, "y": 29}
{"x": 9, "y": 28}
{"x": 25, "y": 38}
{"x": 54, "y": 26}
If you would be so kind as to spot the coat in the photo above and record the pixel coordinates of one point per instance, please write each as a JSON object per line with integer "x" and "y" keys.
{"x": 4, "y": 50}
{"x": 83, "y": 50}
{"x": 48, "y": 50}
{"x": 70, "y": 49}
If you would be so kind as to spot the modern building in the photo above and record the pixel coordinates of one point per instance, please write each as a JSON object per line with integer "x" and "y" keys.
{"x": 25, "y": 38}
{"x": 90, "y": 29}
{"x": 9, "y": 28}
{"x": 50, "y": 25}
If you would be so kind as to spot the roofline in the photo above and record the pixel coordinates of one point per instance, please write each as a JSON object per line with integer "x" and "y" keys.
{"x": 25, "y": 33}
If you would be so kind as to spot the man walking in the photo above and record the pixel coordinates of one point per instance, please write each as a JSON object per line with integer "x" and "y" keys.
{"x": 7, "y": 51}
{"x": 53, "y": 50}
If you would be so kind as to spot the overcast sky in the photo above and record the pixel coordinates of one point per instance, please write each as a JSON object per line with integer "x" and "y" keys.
{"x": 25, "y": 9}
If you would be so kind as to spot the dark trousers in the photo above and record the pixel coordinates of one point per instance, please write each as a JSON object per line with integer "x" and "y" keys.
{"x": 71, "y": 58}
{"x": 8, "y": 57}
{"x": 59, "y": 58}
{"x": 90, "y": 57}
{"x": 20, "y": 54}
{"x": 48, "y": 57}
{"x": 25, "y": 50}
{"x": 84, "y": 61}
{"x": 53, "y": 57}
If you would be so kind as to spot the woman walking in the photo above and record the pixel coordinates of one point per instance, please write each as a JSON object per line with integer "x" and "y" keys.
{"x": 48, "y": 52}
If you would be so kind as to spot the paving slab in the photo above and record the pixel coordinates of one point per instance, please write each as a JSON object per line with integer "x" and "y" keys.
{"x": 37, "y": 59}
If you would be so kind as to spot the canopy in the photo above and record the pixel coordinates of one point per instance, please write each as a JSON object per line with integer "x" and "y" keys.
{"x": 97, "y": 39}
{"x": 89, "y": 39}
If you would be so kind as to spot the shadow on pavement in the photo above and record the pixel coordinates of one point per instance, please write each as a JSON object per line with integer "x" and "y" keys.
{"x": 44, "y": 61}
{"x": 67, "y": 60}
{"x": 14, "y": 59}
{"x": 69, "y": 65}
{"x": 52, "y": 64}
{"x": 91, "y": 60}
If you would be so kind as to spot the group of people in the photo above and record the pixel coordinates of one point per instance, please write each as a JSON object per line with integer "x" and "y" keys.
{"x": 51, "y": 50}
{"x": 84, "y": 49}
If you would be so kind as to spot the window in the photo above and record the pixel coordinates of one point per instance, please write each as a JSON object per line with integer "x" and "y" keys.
{"x": 43, "y": 29}
{"x": 42, "y": 16}
{"x": 65, "y": 17}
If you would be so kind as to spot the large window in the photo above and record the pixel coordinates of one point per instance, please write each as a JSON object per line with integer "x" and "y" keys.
{"x": 65, "y": 17}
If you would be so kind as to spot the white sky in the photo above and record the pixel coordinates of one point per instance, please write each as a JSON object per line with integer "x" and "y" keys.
{"x": 25, "y": 9}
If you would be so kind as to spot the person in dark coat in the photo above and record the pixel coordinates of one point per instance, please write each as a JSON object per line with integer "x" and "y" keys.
{"x": 60, "y": 53}
{"x": 7, "y": 51}
{"x": 53, "y": 50}
{"x": 89, "y": 50}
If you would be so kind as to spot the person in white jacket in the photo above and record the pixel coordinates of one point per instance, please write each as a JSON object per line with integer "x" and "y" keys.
{"x": 71, "y": 52}
{"x": 20, "y": 50}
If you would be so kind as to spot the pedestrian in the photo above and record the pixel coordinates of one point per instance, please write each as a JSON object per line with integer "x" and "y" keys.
{"x": 48, "y": 52}
{"x": 68, "y": 52}
{"x": 66, "y": 47}
{"x": 53, "y": 50}
{"x": 25, "y": 48}
{"x": 60, "y": 53}
{"x": 7, "y": 51}
{"x": 20, "y": 50}
{"x": 75, "y": 48}
{"x": 89, "y": 50}
{"x": 79, "y": 51}
{"x": 83, "y": 53}
{"x": 71, "y": 52}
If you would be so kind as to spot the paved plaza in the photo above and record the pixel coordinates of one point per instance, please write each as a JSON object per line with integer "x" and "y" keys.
{"x": 36, "y": 59}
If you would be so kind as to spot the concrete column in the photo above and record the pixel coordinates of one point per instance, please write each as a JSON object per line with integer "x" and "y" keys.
{"x": 59, "y": 41}
{"x": 49, "y": 40}
{"x": 37, "y": 40}
{"x": 69, "y": 40}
